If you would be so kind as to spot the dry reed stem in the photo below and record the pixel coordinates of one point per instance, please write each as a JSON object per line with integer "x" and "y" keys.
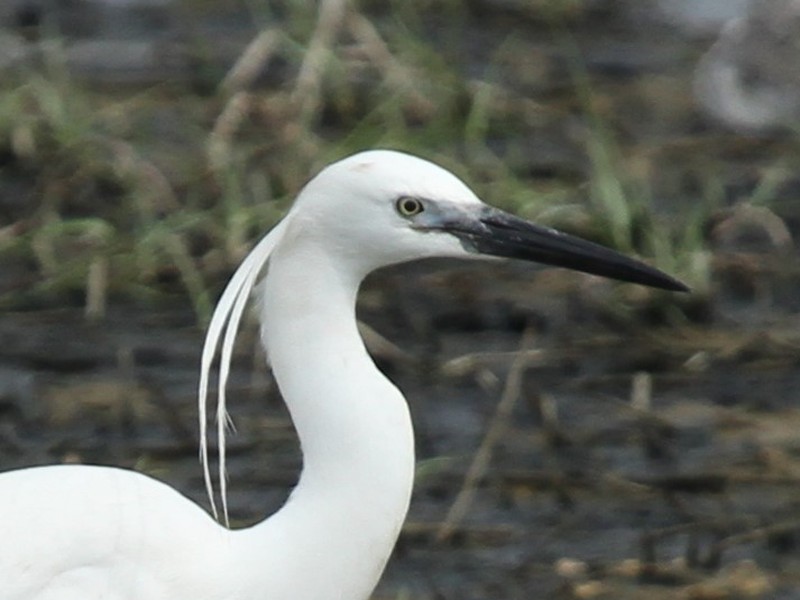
{"x": 333, "y": 16}
{"x": 397, "y": 75}
{"x": 474, "y": 362}
{"x": 380, "y": 347}
{"x": 225, "y": 127}
{"x": 240, "y": 77}
{"x": 146, "y": 174}
{"x": 252, "y": 61}
{"x": 307, "y": 92}
{"x": 787, "y": 526}
{"x": 97, "y": 289}
{"x": 495, "y": 432}
{"x": 642, "y": 392}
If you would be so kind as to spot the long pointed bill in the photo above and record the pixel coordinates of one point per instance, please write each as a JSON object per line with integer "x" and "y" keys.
{"x": 494, "y": 232}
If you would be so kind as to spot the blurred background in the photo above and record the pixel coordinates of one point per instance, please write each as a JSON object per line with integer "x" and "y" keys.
{"x": 577, "y": 438}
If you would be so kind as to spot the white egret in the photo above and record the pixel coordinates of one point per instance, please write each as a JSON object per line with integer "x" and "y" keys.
{"x": 92, "y": 532}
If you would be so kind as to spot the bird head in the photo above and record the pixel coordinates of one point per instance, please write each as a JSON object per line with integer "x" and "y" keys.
{"x": 383, "y": 207}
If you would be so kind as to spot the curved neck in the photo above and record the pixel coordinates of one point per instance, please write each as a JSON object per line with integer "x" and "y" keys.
{"x": 341, "y": 522}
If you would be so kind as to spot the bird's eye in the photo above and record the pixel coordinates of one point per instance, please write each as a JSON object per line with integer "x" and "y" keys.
{"x": 408, "y": 206}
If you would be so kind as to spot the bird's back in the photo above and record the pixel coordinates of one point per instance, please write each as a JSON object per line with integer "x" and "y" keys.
{"x": 88, "y": 533}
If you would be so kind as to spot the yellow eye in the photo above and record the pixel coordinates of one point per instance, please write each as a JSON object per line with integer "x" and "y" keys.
{"x": 408, "y": 206}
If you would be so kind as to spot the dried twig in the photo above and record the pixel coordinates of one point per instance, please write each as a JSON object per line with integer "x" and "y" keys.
{"x": 97, "y": 289}
{"x": 497, "y": 429}
{"x": 307, "y": 91}
{"x": 252, "y": 61}
{"x": 225, "y": 128}
{"x": 398, "y": 76}
{"x": 157, "y": 195}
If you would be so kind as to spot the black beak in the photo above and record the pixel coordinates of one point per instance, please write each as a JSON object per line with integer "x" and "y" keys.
{"x": 498, "y": 233}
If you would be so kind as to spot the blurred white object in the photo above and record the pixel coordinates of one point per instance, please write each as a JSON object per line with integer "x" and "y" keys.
{"x": 750, "y": 78}
{"x": 702, "y": 16}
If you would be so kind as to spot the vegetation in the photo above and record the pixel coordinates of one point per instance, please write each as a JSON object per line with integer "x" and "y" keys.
{"x": 146, "y": 193}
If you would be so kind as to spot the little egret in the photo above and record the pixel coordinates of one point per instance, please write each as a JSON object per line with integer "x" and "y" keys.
{"x": 76, "y": 532}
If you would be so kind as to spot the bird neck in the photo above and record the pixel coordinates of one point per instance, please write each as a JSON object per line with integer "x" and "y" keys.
{"x": 342, "y": 520}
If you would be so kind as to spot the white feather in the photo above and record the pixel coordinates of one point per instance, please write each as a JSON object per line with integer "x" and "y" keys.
{"x": 224, "y": 325}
